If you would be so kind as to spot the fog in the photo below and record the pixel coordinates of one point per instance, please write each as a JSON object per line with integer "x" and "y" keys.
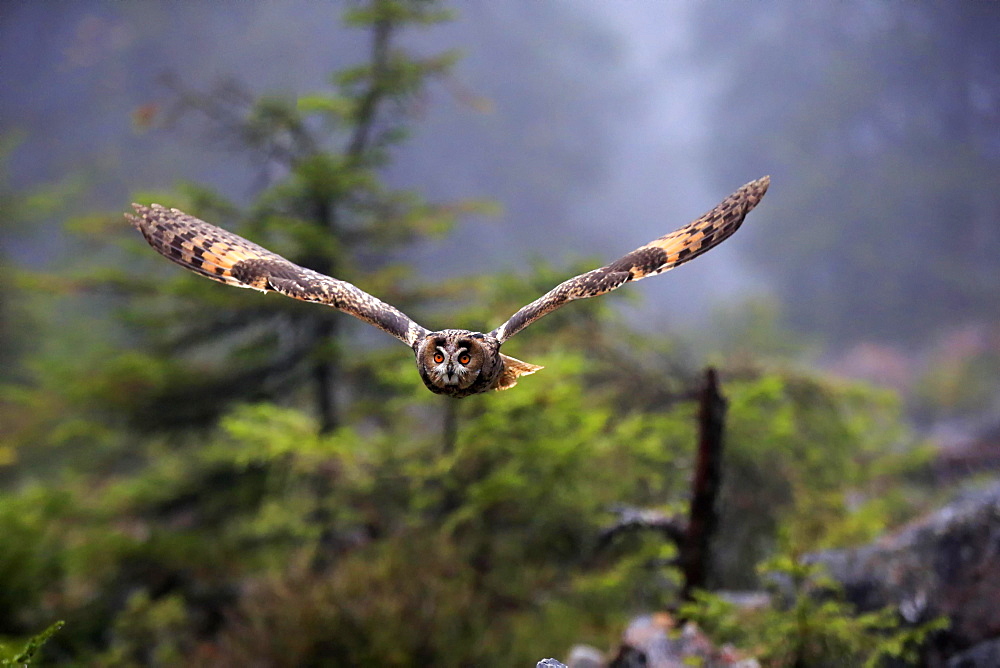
{"x": 595, "y": 125}
{"x": 269, "y": 480}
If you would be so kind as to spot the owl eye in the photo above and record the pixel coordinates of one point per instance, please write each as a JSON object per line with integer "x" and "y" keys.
{"x": 464, "y": 358}
{"x": 438, "y": 358}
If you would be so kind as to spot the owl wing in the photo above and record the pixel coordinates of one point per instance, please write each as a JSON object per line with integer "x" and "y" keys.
{"x": 228, "y": 258}
{"x": 654, "y": 258}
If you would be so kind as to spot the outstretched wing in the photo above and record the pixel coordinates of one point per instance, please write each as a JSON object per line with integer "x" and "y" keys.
{"x": 654, "y": 258}
{"x": 228, "y": 258}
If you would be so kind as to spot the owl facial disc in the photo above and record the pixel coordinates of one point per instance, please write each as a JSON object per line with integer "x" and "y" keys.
{"x": 458, "y": 362}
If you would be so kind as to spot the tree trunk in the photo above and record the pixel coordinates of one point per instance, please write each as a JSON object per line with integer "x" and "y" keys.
{"x": 695, "y": 557}
{"x": 325, "y": 374}
{"x": 450, "y": 426}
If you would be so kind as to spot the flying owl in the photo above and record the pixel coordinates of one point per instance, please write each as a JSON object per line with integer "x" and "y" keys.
{"x": 455, "y": 362}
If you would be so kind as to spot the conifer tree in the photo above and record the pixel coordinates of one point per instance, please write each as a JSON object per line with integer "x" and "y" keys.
{"x": 323, "y": 206}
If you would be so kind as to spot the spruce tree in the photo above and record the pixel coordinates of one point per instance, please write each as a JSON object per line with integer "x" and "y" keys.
{"x": 322, "y": 204}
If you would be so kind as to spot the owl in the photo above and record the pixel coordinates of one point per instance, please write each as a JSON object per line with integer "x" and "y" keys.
{"x": 453, "y": 362}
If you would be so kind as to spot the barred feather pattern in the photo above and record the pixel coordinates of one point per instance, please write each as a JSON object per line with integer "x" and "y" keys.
{"x": 452, "y": 362}
{"x": 229, "y": 258}
{"x": 656, "y": 257}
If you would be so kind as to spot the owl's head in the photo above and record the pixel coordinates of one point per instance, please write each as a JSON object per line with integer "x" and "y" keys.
{"x": 458, "y": 362}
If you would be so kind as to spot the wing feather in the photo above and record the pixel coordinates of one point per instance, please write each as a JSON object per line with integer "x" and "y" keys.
{"x": 229, "y": 258}
{"x": 654, "y": 258}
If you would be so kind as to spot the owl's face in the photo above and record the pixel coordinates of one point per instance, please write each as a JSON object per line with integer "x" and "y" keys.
{"x": 458, "y": 362}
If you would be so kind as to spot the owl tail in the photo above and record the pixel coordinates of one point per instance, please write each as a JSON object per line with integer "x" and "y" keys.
{"x": 512, "y": 368}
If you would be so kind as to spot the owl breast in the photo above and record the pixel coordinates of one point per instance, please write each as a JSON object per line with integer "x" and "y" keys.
{"x": 457, "y": 362}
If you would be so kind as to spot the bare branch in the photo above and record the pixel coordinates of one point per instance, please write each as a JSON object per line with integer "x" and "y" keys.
{"x": 632, "y": 519}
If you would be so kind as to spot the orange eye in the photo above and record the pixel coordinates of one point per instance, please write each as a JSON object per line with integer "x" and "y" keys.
{"x": 464, "y": 358}
{"x": 438, "y": 358}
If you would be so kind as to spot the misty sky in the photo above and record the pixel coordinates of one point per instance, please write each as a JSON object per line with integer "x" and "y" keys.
{"x": 609, "y": 127}
{"x": 596, "y": 125}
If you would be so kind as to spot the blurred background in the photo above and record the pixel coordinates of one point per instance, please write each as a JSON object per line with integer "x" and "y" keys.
{"x": 188, "y": 471}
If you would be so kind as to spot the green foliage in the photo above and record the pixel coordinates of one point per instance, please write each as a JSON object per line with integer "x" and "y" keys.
{"x": 325, "y": 206}
{"x": 150, "y": 633}
{"x": 419, "y": 12}
{"x": 265, "y": 538}
{"x": 22, "y": 215}
{"x": 810, "y": 463}
{"x": 25, "y": 656}
{"x": 171, "y": 490}
{"x": 29, "y": 558}
{"x": 807, "y": 623}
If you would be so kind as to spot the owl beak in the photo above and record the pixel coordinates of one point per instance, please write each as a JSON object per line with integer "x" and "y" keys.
{"x": 450, "y": 377}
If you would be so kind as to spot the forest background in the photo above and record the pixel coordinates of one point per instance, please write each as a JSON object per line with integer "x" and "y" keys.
{"x": 191, "y": 473}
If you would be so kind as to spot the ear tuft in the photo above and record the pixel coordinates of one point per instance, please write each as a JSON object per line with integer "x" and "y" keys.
{"x": 512, "y": 368}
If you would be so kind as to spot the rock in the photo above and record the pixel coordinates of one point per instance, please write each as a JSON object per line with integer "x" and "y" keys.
{"x": 652, "y": 641}
{"x": 585, "y": 656}
{"x": 984, "y": 655}
{"x": 947, "y": 563}
{"x": 550, "y": 663}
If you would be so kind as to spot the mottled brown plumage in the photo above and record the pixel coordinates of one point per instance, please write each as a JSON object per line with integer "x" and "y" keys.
{"x": 455, "y": 362}
{"x": 654, "y": 258}
{"x": 229, "y": 258}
